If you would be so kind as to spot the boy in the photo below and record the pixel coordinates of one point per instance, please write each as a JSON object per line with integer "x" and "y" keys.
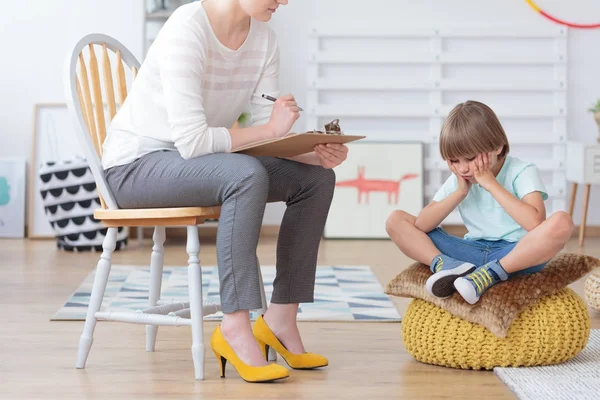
{"x": 501, "y": 202}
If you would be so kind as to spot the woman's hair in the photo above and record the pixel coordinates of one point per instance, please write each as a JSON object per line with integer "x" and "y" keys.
{"x": 470, "y": 129}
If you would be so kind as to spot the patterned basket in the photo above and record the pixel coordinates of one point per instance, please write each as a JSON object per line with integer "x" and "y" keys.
{"x": 592, "y": 290}
{"x": 69, "y": 194}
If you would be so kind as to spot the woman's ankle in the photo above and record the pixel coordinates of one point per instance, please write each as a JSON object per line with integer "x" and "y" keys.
{"x": 281, "y": 320}
{"x": 236, "y": 322}
{"x": 281, "y": 317}
{"x": 237, "y": 331}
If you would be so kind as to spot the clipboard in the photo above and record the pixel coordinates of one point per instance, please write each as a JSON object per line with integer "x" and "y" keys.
{"x": 293, "y": 144}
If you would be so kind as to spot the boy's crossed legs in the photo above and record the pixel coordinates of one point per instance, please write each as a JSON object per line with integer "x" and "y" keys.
{"x": 473, "y": 266}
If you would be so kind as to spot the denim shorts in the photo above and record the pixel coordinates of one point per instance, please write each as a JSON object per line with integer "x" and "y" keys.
{"x": 476, "y": 252}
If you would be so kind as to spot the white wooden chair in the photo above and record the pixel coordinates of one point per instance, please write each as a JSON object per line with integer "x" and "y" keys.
{"x": 87, "y": 108}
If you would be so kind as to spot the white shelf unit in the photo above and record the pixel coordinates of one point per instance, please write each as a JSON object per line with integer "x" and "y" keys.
{"x": 397, "y": 84}
{"x": 158, "y": 15}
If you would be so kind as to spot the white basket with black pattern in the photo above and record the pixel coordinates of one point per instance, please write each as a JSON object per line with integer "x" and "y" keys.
{"x": 69, "y": 194}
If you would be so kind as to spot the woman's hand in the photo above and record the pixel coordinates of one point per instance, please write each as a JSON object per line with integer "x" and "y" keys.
{"x": 285, "y": 113}
{"x": 483, "y": 171}
{"x": 463, "y": 185}
{"x": 331, "y": 155}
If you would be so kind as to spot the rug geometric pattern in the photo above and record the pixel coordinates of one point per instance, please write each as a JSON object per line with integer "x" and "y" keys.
{"x": 341, "y": 293}
{"x": 576, "y": 379}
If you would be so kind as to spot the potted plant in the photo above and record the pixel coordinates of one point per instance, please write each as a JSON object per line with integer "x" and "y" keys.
{"x": 596, "y": 110}
{"x": 242, "y": 119}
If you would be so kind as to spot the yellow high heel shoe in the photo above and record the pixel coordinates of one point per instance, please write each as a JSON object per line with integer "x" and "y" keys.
{"x": 224, "y": 352}
{"x": 266, "y": 338}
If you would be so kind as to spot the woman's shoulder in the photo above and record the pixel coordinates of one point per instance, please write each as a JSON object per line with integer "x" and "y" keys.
{"x": 189, "y": 19}
{"x": 188, "y": 24}
{"x": 187, "y": 12}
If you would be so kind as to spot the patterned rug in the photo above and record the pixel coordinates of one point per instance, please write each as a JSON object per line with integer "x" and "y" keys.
{"x": 341, "y": 293}
{"x": 578, "y": 378}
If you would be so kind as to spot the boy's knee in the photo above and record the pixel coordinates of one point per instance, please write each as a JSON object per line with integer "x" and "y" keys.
{"x": 562, "y": 225}
{"x": 396, "y": 220}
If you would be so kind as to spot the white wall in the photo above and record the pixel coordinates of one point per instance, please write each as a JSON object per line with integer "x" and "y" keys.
{"x": 35, "y": 36}
{"x": 34, "y": 45}
{"x": 291, "y": 25}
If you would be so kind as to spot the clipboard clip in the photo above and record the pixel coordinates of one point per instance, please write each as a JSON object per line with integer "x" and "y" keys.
{"x": 331, "y": 128}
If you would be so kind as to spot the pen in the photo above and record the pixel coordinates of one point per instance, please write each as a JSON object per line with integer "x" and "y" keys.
{"x": 273, "y": 99}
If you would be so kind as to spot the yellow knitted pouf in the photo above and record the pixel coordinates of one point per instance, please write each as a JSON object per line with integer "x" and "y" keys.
{"x": 550, "y": 332}
{"x": 592, "y": 290}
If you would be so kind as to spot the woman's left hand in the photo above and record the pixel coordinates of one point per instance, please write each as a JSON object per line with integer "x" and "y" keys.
{"x": 483, "y": 170}
{"x": 331, "y": 155}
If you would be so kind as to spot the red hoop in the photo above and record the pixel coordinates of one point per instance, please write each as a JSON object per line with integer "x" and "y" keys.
{"x": 559, "y": 21}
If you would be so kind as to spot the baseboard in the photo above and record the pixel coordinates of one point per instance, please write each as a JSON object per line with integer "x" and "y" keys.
{"x": 590, "y": 231}
{"x": 208, "y": 232}
{"x": 460, "y": 230}
{"x": 204, "y": 232}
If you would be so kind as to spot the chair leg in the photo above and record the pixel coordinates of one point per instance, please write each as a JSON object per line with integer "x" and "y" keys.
{"x": 140, "y": 236}
{"x": 98, "y": 289}
{"x": 195, "y": 289}
{"x": 572, "y": 201}
{"x": 586, "y": 201}
{"x": 156, "y": 270}
{"x": 272, "y": 354}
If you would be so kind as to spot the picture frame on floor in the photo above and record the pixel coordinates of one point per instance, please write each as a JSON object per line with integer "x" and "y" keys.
{"x": 12, "y": 197}
{"x": 63, "y": 193}
{"x": 54, "y": 138}
{"x": 376, "y": 179}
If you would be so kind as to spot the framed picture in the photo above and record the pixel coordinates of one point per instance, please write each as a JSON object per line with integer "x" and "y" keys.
{"x": 12, "y": 197}
{"x": 54, "y": 139}
{"x": 375, "y": 179}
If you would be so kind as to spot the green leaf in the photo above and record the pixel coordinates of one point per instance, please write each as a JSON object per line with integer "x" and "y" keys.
{"x": 595, "y": 107}
{"x": 243, "y": 118}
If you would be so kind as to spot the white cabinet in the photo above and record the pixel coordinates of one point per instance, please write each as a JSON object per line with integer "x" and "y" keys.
{"x": 583, "y": 162}
{"x": 583, "y": 167}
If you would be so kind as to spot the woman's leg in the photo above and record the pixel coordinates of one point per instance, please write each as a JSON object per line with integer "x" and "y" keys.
{"x": 240, "y": 185}
{"x": 307, "y": 191}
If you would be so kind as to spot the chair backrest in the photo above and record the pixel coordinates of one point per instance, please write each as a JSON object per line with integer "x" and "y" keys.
{"x": 89, "y": 109}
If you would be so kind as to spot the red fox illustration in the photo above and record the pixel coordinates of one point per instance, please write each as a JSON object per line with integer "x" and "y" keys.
{"x": 366, "y": 186}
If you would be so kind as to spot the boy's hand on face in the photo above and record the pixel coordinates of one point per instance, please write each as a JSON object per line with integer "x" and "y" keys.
{"x": 463, "y": 185}
{"x": 483, "y": 171}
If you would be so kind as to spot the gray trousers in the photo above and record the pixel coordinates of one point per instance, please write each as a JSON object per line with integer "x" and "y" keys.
{"x": 242, "y": 185}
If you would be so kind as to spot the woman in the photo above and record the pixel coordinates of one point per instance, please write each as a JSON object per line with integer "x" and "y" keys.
{"x": 169, "y": 146}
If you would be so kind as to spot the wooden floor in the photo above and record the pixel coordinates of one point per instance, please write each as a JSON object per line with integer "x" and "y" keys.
{"x": 367, "y": 360}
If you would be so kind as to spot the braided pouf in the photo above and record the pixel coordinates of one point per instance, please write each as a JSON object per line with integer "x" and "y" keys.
{"x": 550, "y": 332}
{"x": 592, "y": 290}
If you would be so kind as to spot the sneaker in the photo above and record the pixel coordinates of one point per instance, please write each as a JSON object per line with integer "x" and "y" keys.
{"x": 475, "y": 284}
{"x": 446, "y": 270}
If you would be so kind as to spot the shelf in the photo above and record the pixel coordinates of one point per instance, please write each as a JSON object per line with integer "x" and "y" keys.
{"x": 513, "y": 110}
{"x": 159, "y": 15}
{"x": 427, "y": 57}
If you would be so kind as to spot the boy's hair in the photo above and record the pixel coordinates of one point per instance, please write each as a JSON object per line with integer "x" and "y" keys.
{"x": 470, "y": 129}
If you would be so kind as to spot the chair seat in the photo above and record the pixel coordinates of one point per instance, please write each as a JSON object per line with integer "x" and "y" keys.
{"x": 182, "y": 216}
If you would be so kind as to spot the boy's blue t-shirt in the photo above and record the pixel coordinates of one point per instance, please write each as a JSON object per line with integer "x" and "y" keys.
{"x": 483, "y": 216}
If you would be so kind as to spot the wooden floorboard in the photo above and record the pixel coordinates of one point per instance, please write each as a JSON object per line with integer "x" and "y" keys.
{"x": 367, "y": 360}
